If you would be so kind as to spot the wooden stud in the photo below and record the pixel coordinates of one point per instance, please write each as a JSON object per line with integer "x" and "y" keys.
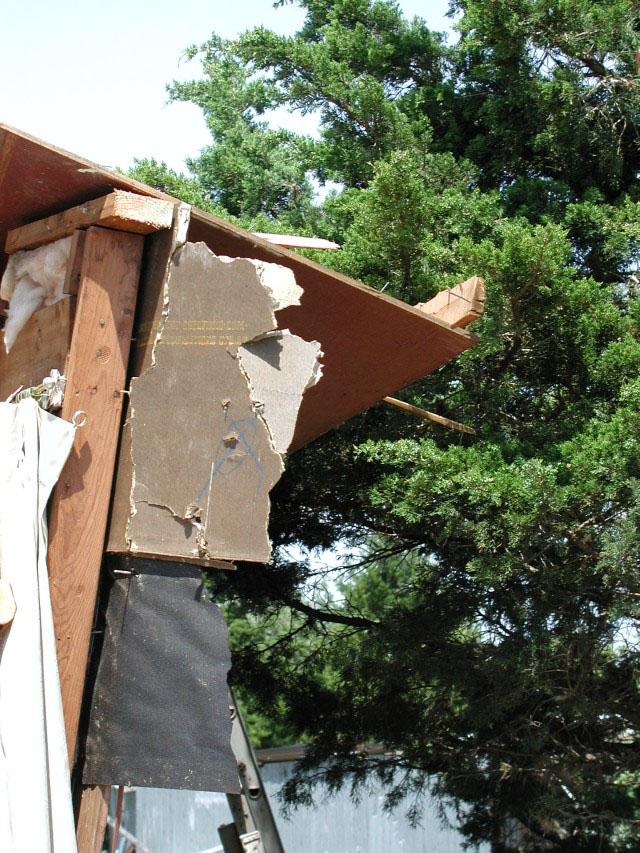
{"x": 120, "y": 210}
{"x": 430, "y": 416}
{"x": 92, "y": 818}
{"x": 74, "y": 265}
{"x": 80, "y": 503}
{"x": 458, "y": 306}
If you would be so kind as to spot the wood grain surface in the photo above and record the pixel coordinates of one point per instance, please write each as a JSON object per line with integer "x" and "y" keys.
{"x": 42, "y": 344}
{"x": 121, "y": 210}
{"x": 92, "y": 818}
{"x": 80, "y": 503}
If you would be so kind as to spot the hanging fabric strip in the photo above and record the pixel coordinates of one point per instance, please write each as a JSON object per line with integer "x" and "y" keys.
{"x": 35, "y": 794}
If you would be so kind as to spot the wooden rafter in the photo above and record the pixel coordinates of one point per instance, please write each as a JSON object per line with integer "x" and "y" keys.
{"x": 120, "y": 210}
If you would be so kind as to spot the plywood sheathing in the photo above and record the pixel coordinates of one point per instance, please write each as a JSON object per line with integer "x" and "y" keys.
{"x": 205, "y": 427}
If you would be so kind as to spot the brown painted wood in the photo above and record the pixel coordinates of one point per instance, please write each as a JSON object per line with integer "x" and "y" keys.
{"x": 42, "y": 344}
{"x": 92, "y": 818}
{"x": 120, "y": 210}
{"x": 80, "y": 503}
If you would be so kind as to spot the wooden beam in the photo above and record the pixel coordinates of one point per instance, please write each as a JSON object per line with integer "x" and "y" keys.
{"x": 120, "y": 210}
{"x": 293, "y": 242}
{"x": 92, "y": 818}
{"x": 80, "y": 503}
{"x": 458, "y": 306}
{"x": 42, "y": 345}
{"x": 430, "y": 416}
{"x": 74, "y": 265}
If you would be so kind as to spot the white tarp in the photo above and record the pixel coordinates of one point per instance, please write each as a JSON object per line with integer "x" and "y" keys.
{"x": 35, "y": 794}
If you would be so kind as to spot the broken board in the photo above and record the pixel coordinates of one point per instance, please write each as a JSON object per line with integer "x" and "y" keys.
{"x": 212, "y": 415}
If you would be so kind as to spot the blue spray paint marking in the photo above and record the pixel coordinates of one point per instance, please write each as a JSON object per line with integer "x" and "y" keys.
{"x": 242, "y": 427}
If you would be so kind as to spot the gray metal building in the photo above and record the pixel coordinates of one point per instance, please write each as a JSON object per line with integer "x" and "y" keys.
{"x": 168, "y": 821}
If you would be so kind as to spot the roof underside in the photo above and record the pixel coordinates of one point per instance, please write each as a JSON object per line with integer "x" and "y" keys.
{"x": 373, "y": 344}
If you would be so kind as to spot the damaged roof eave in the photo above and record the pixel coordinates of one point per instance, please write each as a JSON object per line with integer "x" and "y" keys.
{"x": 374, "y": 344}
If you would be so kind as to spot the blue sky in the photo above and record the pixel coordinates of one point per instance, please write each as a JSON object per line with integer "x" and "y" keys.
{"x": 90, "y": 76}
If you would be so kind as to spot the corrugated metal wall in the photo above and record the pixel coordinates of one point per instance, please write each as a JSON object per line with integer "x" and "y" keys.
{"x": 187, "y": 822}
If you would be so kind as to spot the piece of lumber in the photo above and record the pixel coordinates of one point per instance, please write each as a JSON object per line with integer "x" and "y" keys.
{"x": 291, "y": 241}
{"x": 458, "y": 306}
{"x": 42, "y": 344}
{"x": 74, "y": 265}
{"x": 120, "y": 210}
{"x": 430, "y": 416}
{"x": 92, "y": 818}
{"x": 96, "y": 375}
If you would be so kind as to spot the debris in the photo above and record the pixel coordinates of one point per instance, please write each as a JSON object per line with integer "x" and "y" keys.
{"x": 458, "y": 306}
{"x": 294, "y": 242}
{"x": 48, "y": 395}
{"x": 430, "y": 416}
{"x": 215, "y": 412}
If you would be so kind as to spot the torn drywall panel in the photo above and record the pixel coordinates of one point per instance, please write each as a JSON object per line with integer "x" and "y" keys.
{"x": 33, "y": 279}
{"x": 280, "y": 282}
{"x": 204, "y": 455}
{"x": 279, "y": 369}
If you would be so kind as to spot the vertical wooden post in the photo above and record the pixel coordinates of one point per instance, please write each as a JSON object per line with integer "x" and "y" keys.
{"x": 80, "y": 502}
{"x": 92, "y": 818}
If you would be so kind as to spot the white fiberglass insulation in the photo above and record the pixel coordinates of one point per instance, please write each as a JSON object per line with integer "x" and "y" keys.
{"x": 35, "y": 796}
{"x": 32, "y": 280}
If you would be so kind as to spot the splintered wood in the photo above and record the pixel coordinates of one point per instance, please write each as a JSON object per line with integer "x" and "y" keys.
{"x": 458, "y": 306}
{"x": 120, "y": 210}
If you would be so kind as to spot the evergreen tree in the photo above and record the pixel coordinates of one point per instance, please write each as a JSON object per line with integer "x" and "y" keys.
{"x": 484, "y": 627}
